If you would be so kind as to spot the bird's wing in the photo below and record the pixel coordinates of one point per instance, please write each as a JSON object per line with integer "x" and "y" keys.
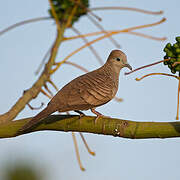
{"x": 97, "y": 89}
{"x": 85, "y": 92}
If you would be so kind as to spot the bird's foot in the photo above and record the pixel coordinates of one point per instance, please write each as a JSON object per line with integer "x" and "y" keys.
{"x": 81, "y": 114}
{"x": 99, "y": 115}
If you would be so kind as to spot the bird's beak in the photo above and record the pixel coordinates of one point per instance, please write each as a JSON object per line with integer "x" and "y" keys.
{"x": 128, "y": 66}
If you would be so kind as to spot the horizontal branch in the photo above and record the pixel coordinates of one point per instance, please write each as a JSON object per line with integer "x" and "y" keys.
{"x": 104, "y": 126}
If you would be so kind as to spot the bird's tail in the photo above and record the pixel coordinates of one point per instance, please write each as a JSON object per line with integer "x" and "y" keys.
{"x": 36, "y": 119}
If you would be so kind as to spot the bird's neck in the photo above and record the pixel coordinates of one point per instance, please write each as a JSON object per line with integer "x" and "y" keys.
{"x": 112, "y": 70}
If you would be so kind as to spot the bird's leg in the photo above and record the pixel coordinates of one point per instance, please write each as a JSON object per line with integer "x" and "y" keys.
{"x": 97, "y": 113}
{"x": 81, "y": 114}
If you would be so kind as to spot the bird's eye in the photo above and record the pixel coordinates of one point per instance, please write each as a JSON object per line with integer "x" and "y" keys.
{"x": 118, "y": 59}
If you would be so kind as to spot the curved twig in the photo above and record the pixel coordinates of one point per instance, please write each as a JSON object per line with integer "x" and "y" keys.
{"x": 22, "y": 23}
{"x": 142, "y": 67}
{"x": 151, "y": 74}
{"x": 77, "y": 66}
{"x": 147, "y": 36}
{"x": 104, "y": 31}
{"x": 127, "y": 8}
{"x": 90, "y": 47}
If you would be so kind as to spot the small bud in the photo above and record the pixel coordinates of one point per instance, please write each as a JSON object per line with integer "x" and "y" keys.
{"x": 173, "y": 71}
{"x": 166, "y": 50}
{"x": 170, "y": 54}
{"x": 168, "y": 46}
{"x": 178, "y": 39}
{"x": 178, "y": 50}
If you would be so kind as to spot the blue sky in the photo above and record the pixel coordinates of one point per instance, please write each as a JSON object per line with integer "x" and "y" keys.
{"x": 152, "y": 99}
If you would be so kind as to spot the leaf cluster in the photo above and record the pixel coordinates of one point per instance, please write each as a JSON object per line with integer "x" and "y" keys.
{"x": 63, "y": 9}
{"x": 173, "y": 54}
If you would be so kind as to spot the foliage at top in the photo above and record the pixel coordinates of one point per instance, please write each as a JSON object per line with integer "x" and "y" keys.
{"x": 63, "y": 9}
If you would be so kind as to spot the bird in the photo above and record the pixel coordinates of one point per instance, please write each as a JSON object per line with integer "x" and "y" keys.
{"x": 87, "y": 91}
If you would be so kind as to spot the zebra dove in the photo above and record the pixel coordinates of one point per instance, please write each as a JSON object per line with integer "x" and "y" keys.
{"x": 88, "y": 91}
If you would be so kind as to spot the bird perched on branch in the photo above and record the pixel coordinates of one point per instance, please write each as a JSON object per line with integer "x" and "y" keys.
{"x": 88, "y": 91}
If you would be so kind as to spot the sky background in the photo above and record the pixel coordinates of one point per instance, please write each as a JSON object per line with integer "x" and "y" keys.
{"x": 152, "y": 99}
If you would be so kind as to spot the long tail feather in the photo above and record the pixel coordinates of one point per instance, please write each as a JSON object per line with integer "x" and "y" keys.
{"x": 36, "y": 119}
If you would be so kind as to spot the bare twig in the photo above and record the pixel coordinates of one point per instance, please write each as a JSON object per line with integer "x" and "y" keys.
{"x": 177, "y": 115}
{"x": 142, "y": 67}
{"x": 77, "y": 66}
{"x": 104, "y": 31}
{"x": 23, "y": 22}
{"x": 46, "y": 94}
{"x": 51, "y": 82}
{"x": 90, "y": 47}
{"x": 86, "y": 145}
{"x": 147, "y": 36}
{"x": 151, "y": 74}
{"x": 43, "y": 60}
{"x": 77, "y": 152}
{"x": 175, "y": 63}
{"x": 127, "y": 8}
{"x": 35, "y": 108}
{"x": 48, "y": 90}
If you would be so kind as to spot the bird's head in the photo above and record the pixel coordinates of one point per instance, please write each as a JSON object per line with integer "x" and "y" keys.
{"x": 118, "y": 60}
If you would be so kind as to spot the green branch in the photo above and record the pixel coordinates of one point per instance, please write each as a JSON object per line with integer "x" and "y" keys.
{"x": 104, "y": 126}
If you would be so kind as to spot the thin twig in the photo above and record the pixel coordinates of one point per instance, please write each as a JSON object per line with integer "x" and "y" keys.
{"x": 77, "y": 66}
{"x": 147, "y": 36}
{"x": 104, "y": 31}
{"x": 127, "y": 8}
{"x": 90, "y": 47}
{"x": 22, "y": 23}
{"x": 51, "y": 82}
{"x": 77, "y": 152}
{"x": 43, "y": 60}
{"x": 175, "y": 63}
{"x": 35, "y": 108}
{"x": 165, "y": 74}
{"x": 142, "y": 67}
{"x": 48, "y": 90}
{"x": 177, "y": 114}
{"x": 46, "y": 94}
{"x": 86, "y": 145}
